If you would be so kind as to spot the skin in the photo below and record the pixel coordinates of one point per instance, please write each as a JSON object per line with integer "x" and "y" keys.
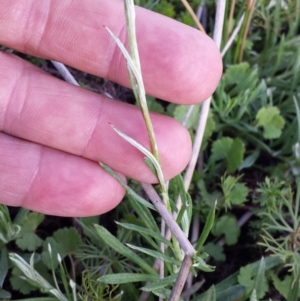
{"x": 52, "y": 134}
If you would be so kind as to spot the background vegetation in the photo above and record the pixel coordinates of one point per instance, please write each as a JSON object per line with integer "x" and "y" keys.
{"x": 245, "y": 187}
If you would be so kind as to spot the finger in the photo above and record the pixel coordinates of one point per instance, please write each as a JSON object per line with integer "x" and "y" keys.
{"x": 179, "y": 63}
{"x": 53, "y": 182}
{"x": 40, "y": 108}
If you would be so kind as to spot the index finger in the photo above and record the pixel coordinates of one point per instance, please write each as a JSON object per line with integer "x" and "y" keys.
{"x": 179, "y": 63}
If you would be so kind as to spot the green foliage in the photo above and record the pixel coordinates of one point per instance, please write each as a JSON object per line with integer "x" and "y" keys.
{"x": 234, "y": 193}
{"x": 271, "y": 121}
{"x": 227, "y": 225}
{"x": 180, "y": 114}
{"x": 216, "y": 251}
{"x": 8, "y": 231}
{"x": 256, "y": 285}
{"x": 230, "y": 149}
{"x": 27, "y": 239}
{"x": 63, "y": 242}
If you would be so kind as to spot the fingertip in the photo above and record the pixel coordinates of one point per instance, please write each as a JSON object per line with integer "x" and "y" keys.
{"x": 67, "y": 185}
{"x": 180, "y": 64}
{"x": 175, "y": 146}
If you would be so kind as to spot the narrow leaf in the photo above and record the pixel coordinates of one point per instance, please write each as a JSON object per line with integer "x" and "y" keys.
{"x": 143, "y": 150}
{"x": 207, "y": 228}
{"x": 144, "y": 215}
{"x": 128, "y": 189}
{"x": 294, "y": 291}
{"x": 143, "y": 231}
{"x": 185, "y": 216}
{"x": 210, "y": 295}
{"x": 254, "y": 296}
{"x": 3, "y": 265}
{"x": 155, "y": 254}
{"x": 126, "y": 278}
{"x": 260, "y": 282}
{"x": 161, "y": 283}
{"x": 234, "y": 292}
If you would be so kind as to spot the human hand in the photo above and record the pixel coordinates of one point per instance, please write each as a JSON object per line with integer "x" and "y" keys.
{"x": 53, "y": 133}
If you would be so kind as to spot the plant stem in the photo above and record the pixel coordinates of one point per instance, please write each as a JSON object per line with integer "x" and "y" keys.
{"x": 217, "y": 36}
{"x": 193, "y": 15}
{"x": 230, "y": 18}
{"x": 250, "y": 8}
{"x": 233, "y": 36}
{"x": 140, "y": 88}
{"x": 167, "y": 216}
{"x": 65, "y": 73}
{"x": 181, "y": 279}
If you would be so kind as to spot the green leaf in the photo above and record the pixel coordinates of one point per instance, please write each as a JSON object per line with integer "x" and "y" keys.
{"x": 165, "y": 8}
{"x": 294, "y": 291}
{"x": 63, "y": 242}
{"x": 21, "y": 285}
{"x": 220, "y": 148}
{"x": 115, "y": 244}
{"x": 234, "y": 193}
{"x": 8, "y": 231}
{"x": 209, "y": 198}
{"x": 272, "y": 122}
{"x": 231, "y": 293}
{"x": 209, "y": 129}
{"x": 207, "y": 228}
{"x": 245, "y": 277}
{"x": 27, "y": 239}
{"x": 155, "y": 254}
{"x": 227, "y": 225}
{"x": 253, "y": 296}
{"x": 33, "y": 277}
{"x": 145, "y": 232}
{"x": 3, "y": 265}
{"x": 249, "y": 160}
{"x": 144, "y": 214}
{"x": 260, "y": 281}
{"x": 4, "y": 294}
{"x": 129, "y": 190}
{"x": 216, "y": 251}
{"x": 161, "y": 283}
{"x": 31, "y": 221}
{"x": 210, "y": 295}
{"x": 154, "y": 105}
{"x": 284, "y": 286}
{"x": 185, "y": 214}
{"x": 239, "y": 78}
{"x": 235, "y": 155}
{"x": 230, "y": 149}
{"x": 145, "y": 151}
{"x": 180, "y": 113}
{"x": 38, "y": 299}
{"x": 163, "y": 293}
{"x": 200, "y": 264}
{"x": 126, "y": 278}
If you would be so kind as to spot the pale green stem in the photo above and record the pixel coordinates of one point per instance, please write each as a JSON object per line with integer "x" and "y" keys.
{"x": 140, "y": 89}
